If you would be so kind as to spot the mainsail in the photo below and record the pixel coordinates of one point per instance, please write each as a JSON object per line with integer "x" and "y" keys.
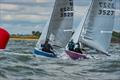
{"x": 99, "y": 24}
{"x": 95, "y": 29}
{"x": 60, "y": 24}
{"x": 61, "y": 20}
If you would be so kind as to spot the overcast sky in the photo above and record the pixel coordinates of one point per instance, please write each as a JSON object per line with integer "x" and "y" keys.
{"x": 24, "y": 16}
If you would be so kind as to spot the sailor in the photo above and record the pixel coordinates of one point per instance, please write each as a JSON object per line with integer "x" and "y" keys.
{"x": 77, "y": 48}
{"x": 71, "y": 45}
{"x": 47, "y": 47}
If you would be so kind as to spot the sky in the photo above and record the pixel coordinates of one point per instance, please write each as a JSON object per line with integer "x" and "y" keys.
{"x": 25, "y": 16}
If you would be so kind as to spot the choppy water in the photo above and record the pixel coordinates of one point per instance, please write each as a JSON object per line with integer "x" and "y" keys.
{"x": 17, "y": 63}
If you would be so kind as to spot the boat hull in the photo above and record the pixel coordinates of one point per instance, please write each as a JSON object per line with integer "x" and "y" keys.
{"x": 74, "y": 55}
{"x": 42, "y": 53}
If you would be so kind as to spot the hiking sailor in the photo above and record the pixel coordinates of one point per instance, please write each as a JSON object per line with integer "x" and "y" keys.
{"x": 47, "y": 47}
{"x": 71, "y": 45}
{"x": 78, "y": 48}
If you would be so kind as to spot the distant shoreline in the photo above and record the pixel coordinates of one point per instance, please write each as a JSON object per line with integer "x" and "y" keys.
{"x": 30, "y": 39}
{"x": 115, "y": 37}
{"x": 24, "y": 37}
{"x": 27, "y": 39}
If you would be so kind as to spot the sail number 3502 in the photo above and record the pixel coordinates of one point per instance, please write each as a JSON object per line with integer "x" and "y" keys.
{"x": 106, "y": 12}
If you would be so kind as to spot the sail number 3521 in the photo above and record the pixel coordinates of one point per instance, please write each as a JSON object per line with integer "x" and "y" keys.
{"x": 106, "y": 12}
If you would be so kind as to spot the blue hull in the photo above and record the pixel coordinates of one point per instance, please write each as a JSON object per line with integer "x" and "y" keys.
{"x": 45, "y": 54}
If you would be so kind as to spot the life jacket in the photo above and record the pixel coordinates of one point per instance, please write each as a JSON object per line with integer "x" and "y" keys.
{"x": 46, "y": 47}
{"x": 71, "y": 45}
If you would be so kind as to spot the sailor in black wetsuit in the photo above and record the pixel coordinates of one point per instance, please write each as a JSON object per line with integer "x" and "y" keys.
{"x": 47, "y": 47}
{"x": 77, "y": 48}
{"x": 71, "y": 45}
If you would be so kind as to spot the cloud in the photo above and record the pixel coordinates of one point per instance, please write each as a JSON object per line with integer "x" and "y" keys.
{"x": 33, "y": 14}
{"x": 23, "y": 19}
{"x": 8, "y": 6}
{"x": 7, "y": 18}
{"x": 42, "y": 1}
{"x": 22, "y": 29}
{"x": 16, "y": 14}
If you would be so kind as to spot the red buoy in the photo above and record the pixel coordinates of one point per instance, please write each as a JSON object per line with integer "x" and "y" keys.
{"x": 4, "y": 37}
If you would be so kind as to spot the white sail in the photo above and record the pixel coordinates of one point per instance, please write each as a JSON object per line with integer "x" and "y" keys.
{"x": 99, "y": 25}
{"x": 61, "y": 21}
{"x": 43, "y": 36}
{"x": 78, "y": 32}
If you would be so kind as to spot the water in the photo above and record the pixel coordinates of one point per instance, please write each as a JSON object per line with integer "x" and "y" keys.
{"x": 17, "y": 63}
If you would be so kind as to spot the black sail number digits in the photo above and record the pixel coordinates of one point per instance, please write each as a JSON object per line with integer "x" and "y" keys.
{"x": 106, "y": 8}
{"x": 106, "y": 12}
{"x": 67, "y": 11}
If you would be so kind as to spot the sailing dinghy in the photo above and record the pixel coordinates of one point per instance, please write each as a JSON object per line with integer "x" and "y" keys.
{"x": 95, "y": 30}
{"x": 58, "y": 29}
